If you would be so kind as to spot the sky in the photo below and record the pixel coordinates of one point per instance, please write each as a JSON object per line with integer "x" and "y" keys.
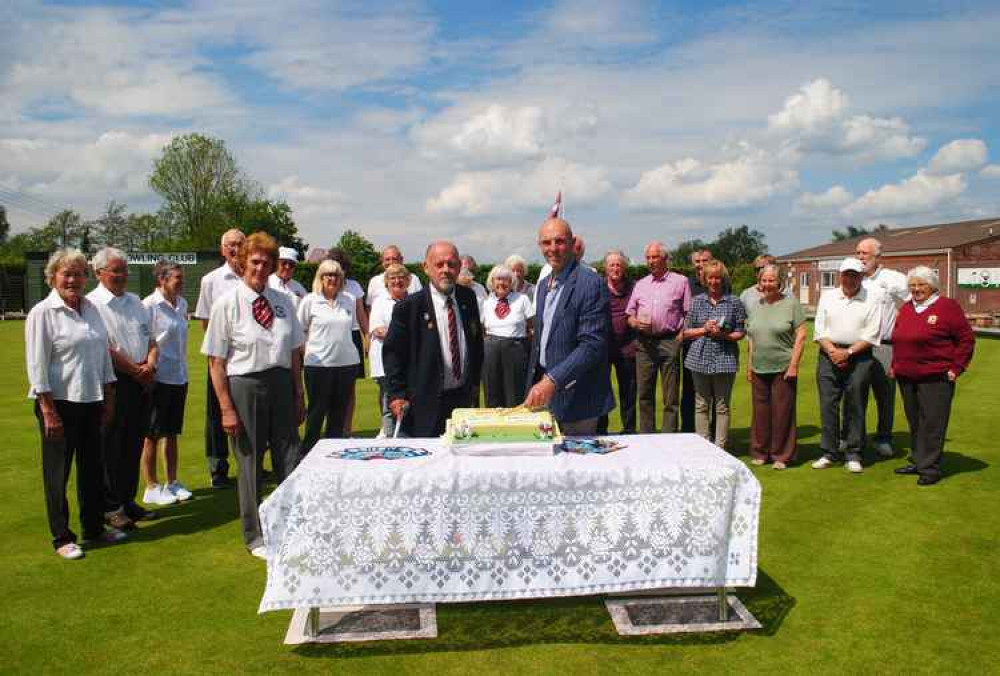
{"x": 414, "y": 121}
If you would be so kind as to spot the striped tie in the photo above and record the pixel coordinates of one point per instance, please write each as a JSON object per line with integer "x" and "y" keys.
{"x": 262, "y": 312}
{"x": 456, "y": 355}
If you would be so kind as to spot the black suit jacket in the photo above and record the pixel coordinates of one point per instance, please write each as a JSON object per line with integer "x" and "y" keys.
{"x": 414, "y": 367}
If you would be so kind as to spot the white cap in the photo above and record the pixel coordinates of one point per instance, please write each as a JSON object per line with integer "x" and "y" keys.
{"x": 852, "y": 265}
{"x": 286, "y": 253}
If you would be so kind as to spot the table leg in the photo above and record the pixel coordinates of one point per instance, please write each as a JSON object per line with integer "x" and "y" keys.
{"x": 723, "y": 604}
{"x": 312, "y": 623}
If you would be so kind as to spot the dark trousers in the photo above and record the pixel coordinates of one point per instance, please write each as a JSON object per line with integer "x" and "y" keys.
{"x": 328, "y": 389}
{"x": 772, "y": 432}
{"x": 850, "y": 386}
{"x": 122, "y": 444}
{"x": 658, "y": 357}
{"x": 687, "y": 394}
{"x": 81, "y": 438}
{"x": 883, "y": 391}
{"x": 265, "y": 403}
{"x": 505, "y": 369}
{"x": 216, "y": 440}
{"x": 625, "y": 375}
{"x": 928, "y": 408}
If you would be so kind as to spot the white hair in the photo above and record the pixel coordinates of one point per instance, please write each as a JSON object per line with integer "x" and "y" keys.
{"x": 878, "y": 244}
{"x": 659, "y": 245}
{"x": 64, "y": 258}
{"x": 924, "y": 273}
{"x": 103, "y": 257}
{"x": 515, "y": 260}
{"x": 498, "y": 272}
{"x": 619, "y": 254}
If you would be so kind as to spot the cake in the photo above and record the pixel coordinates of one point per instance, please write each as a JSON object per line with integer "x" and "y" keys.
{"x": 502, "y": 431}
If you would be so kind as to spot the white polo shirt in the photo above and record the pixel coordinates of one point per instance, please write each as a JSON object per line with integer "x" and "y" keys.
{"x": 515, "y": 324}
{"x": 845, "y": 320}
{"x": 894, "y": 292}
{"x": 328, "y": 325}
{"x": 234, "y": 335}
{"x": 380, "y": 318}
{"x": 67, "y": 352}
{"x": 295, "y": 291}
{"x": 352, "y": 287}
{"x": 170, "y": 329}
{"x": 214, "y": 285}
{"x": 376, "y": 288}
{"x": 127, "y": 320}
{"x": 441, "y": 316}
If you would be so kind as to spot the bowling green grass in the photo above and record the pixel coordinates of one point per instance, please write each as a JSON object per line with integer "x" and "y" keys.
{"x": 863, "y": 573}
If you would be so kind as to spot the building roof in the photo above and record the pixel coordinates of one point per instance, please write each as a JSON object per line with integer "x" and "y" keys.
{"x": 910, "y": 240}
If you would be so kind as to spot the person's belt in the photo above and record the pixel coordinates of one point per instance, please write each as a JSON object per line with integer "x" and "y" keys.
{"x": 659, "y": 336}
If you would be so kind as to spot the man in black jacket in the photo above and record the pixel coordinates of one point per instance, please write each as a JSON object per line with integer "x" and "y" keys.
{"x": 433, "y": 350}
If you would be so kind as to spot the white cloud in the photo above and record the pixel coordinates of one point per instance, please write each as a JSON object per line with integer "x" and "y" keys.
{"x": 307, "y": 201}
{"x": 920, "y": 193}
{"x": 834, "y": 198}
{"x": 815, "y": 119}
{"x": 114, "y": 165}
{"x": 990, "y": 171}
{"x": 501, "y": 133}
{"x": 480, "y": 193}
{"x": 690, "y": 185}
{"x": 962, "y": 155}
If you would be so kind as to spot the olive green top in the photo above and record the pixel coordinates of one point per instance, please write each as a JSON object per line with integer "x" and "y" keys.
{"x": 771, "y": 327}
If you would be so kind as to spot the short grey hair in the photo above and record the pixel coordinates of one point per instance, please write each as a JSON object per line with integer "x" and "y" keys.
{"x": 515, "y": 260}
{"x": 659, "y": 245}
{"x": 163, "y": 268}
{"x": 498, "y": 272}
{"x": 878, "y": 244}
{"x": 776, "y": 269}
{"x": 619, "y": 253}
{"x": 64, "y": 258}
{"x": 103, "y": 257}
{"x": 924, "y": 273}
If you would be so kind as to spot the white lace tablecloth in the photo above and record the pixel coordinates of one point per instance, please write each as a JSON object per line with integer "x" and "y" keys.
{"x": 667, "y": 511}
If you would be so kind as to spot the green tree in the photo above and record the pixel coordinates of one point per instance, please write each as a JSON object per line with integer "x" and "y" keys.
{"x": 680, "y": 256}
{"x": 853, "y": 231}
{"x": 252, "y": 213}
{"x": 365, "y": 258}
{"x": 111, "y": 228}
{"x": 738, "y": 245}
{"x": 194, "y": 175}
{"x": 4, "y": 225}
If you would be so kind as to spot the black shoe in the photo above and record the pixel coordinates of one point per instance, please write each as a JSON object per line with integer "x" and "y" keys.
{"x": 137, "y": 513}
{"x": 909, "y": 469}
{"x": 925, "y": 480}
{"x": 221, "y": 481}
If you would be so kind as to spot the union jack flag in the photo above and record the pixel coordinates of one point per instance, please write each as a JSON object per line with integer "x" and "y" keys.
{"x": 556, "y": 209}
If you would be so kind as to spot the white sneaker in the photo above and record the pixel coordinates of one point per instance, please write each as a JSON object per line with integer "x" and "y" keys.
{"x": 854, "y": 466}
{"x": 885, "y": 449}
{"x": 259, "y": 551}
{"x": 757, "y": 461}
{"x": 179, "y": 491}
{"x": 779, "y": 465}
{"x": 70, "y": 551}
{"x": 823, "y": 463}
{"x": 157, "y": 494}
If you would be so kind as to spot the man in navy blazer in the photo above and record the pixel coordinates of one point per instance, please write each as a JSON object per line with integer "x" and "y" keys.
{"x": 569, "y": 356}
{"x": 433, "y": 348}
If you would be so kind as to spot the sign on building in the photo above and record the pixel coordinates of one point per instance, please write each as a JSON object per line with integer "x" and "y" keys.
{"x": 980, "y": 278}
{"x": 153, "y": 258}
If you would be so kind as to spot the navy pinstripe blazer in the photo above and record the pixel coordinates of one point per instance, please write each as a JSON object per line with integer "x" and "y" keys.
{"x": 577, "y": 351}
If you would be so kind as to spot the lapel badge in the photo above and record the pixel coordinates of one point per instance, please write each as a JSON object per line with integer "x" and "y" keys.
{"x": 932, "y": 320}
{"x": 427, "y": 317}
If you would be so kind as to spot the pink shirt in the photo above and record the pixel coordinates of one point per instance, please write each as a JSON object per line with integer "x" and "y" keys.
{"x": 665, "y": 301}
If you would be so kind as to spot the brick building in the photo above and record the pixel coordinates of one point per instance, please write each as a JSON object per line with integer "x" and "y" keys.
{"x": 966, "y": 256}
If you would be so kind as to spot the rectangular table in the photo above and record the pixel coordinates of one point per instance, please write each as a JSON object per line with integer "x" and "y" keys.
{"x": 670, "y": 510}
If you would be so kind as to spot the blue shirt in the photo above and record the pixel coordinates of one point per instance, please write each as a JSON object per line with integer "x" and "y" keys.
{"x": 549, "y": 311}
{"x": 715, "y": 355}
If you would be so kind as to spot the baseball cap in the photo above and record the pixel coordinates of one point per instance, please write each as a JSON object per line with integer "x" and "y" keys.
{"x": 852, "y": 265}
{"x": 287, "y": 253}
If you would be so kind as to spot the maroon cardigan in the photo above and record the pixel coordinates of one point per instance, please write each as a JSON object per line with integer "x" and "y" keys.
{"x": 926, "y": 346}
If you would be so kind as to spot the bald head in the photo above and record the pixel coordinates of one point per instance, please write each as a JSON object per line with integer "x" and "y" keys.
{"x": 869, "y": 251}
{"x": 555, "y": 239}
{"x": 442, "y": 265}
{"x": 229, "y": 246}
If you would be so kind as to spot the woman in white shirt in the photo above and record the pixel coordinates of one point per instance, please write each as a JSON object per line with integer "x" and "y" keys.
{"x": 331, "y": 358}
{"x": 71, "y": 378}
{"x": 506, "y": 317}
{"x": 253, "y": 341}
{"x": 168, "y": 312}
{"x": 358, "y": 331}
{"x": 397, "y": 283}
